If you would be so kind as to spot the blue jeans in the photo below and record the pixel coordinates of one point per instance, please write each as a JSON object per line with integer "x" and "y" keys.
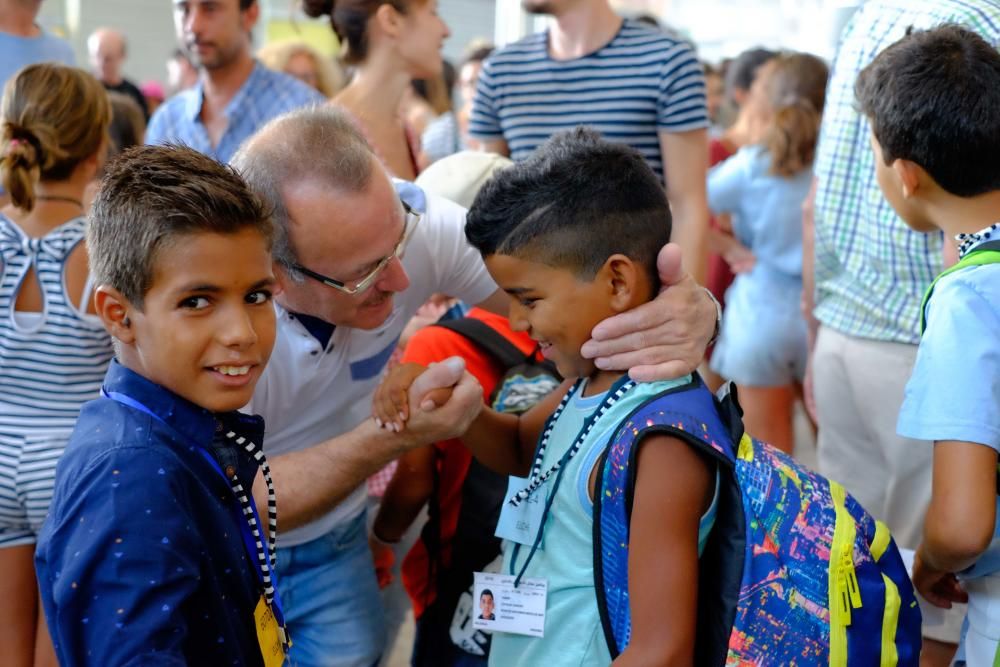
{"x": 331, "y": 600}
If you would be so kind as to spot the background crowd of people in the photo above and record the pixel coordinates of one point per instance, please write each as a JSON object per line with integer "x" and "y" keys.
{"x": 817, "y": 284}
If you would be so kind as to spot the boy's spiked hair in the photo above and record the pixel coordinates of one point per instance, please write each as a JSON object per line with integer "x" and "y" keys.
{"x": 153, "y": 195}
{"x": 577, "y": 200}
{"x": 932, "y": 98}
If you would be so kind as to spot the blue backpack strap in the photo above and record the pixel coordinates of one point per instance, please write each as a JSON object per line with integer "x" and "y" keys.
{"x": 689, "y": 412}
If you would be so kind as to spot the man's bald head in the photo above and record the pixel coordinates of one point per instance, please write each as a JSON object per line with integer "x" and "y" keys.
{"x": 319, "y": 144}
{"x": 107, "y": 48}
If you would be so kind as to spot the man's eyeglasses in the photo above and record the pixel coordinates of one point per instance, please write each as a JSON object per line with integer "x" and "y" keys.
{"x": 411, "y": 218}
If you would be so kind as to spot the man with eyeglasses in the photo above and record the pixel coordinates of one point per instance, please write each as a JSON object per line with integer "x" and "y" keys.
{"x": 356, "y": 254}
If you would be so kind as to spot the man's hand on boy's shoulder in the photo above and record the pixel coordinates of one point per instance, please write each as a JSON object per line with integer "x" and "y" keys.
{"x": 665, "y": 338}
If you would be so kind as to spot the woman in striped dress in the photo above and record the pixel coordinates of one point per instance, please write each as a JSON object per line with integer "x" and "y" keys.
{"x": 53, "y": 353}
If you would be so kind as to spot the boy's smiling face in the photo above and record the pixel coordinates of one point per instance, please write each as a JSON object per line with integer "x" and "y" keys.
{"x": 207, "y": 325}
{"x": 554, "y": 306}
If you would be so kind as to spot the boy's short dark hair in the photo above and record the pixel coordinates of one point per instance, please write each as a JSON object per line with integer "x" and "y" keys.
{"x": 151, "y": 196}
{"x": 577, "y": 200}
{"x": 485, "y": 592}
{"x": 933, "y": 99}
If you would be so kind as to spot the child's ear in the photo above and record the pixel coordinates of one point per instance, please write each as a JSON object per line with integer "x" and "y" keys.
{"x": 389, "y": 19}
{"x": 910, "y": 176}
{"x": 623, "y": 279}
{"x": 114, "y": 309}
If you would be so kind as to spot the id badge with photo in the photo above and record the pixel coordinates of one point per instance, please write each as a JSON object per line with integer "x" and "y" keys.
{"x": 502, "y": 607}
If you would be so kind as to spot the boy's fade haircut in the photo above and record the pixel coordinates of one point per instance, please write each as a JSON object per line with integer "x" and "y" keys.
{"x": 152, "y": 196}
{"x": 577, "y": 200}
{"x": 933, "y": 99}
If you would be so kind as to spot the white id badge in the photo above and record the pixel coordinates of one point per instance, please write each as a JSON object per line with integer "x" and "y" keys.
{"x": 502, "y": 608}
{"x": 521, "y": 524}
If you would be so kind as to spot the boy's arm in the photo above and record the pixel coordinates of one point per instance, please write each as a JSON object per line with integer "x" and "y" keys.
{"x": 673, "y": 488}
{"x": 411, "y": 487}
{"x": 965, "y": 477}
{"x": 505, "y": 443}
{"x": 127, "y": 565}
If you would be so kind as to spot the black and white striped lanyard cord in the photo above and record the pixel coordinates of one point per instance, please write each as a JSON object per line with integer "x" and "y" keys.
{"x": 538, "y": 478}
{"x": 268, "y": 560}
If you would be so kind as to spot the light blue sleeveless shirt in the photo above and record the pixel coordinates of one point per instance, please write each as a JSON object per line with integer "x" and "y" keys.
{"x": 573, "y": 634}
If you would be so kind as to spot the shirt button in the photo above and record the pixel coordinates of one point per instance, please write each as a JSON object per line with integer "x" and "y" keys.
{"x": 230, "y": 471}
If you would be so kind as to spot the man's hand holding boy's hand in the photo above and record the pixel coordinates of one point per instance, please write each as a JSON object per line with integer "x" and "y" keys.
{"x": 440, "y": 401}
{"x": 391, "y": 404}
{"x": 663, "y": 339}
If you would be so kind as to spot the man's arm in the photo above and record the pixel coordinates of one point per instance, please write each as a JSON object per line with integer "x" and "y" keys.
{"x": 685, "y": 164}
{"x": 311, "y": 482}
{"x": 498, "y": 146}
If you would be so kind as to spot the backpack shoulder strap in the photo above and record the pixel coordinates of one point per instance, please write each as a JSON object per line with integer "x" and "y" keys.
{"x": 982, "y": 254}
{"x": 488, "y": 339}
{"x": 689, "y": 412}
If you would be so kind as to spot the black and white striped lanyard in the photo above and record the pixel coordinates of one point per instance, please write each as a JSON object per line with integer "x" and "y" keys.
{"x": 538, "y": 478}
{"x": 268, "y": 560}
{"x": 619, "y": 389}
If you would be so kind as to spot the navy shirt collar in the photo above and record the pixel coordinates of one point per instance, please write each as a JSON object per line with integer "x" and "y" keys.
{"x": 320, "y": 329}
{"x": 192, "y": 421}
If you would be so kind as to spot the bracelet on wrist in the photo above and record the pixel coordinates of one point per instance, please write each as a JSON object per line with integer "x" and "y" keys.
{"x": 380, "y": 540}
{"x": 718, "y": 316}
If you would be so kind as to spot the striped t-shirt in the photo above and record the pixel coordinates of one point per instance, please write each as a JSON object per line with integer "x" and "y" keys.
{"x": 637, "y": 85}
{"x": 51, "y": 363}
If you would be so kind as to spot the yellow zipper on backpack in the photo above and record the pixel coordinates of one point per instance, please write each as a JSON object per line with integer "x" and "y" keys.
{"x": 844, "y": 594}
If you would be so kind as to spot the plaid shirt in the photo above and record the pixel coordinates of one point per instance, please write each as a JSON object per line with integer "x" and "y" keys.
{"x": 871, "y": 269}
{"x": 264, "y": 95}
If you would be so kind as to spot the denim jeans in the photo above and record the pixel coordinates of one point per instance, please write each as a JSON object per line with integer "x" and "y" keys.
{"x": 331, "y": 600}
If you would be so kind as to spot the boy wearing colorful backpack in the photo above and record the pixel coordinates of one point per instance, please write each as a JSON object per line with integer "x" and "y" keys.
{"x": 575, "y": 275}
{"x": 932, "y": 100}
{"x": 645, "y": 528}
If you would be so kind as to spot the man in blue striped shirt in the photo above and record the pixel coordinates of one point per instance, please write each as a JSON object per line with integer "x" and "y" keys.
{"x": 236, "y": 95}
{"x": 629, "y": 82}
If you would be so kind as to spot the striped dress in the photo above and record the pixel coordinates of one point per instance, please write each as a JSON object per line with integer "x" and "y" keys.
{"x": 637, "y": 85}
{"x": 50, "y": 364}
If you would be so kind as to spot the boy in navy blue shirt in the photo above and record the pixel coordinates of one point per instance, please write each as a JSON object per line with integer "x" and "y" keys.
{"x": 153, "y": 552}
{"x": 932, "y": 100}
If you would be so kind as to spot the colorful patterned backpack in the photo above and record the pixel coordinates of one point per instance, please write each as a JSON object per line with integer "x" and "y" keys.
{"x": 795, "y": 571}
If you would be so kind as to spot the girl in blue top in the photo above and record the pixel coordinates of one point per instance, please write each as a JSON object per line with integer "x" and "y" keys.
{"x": 763, "y": 340}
